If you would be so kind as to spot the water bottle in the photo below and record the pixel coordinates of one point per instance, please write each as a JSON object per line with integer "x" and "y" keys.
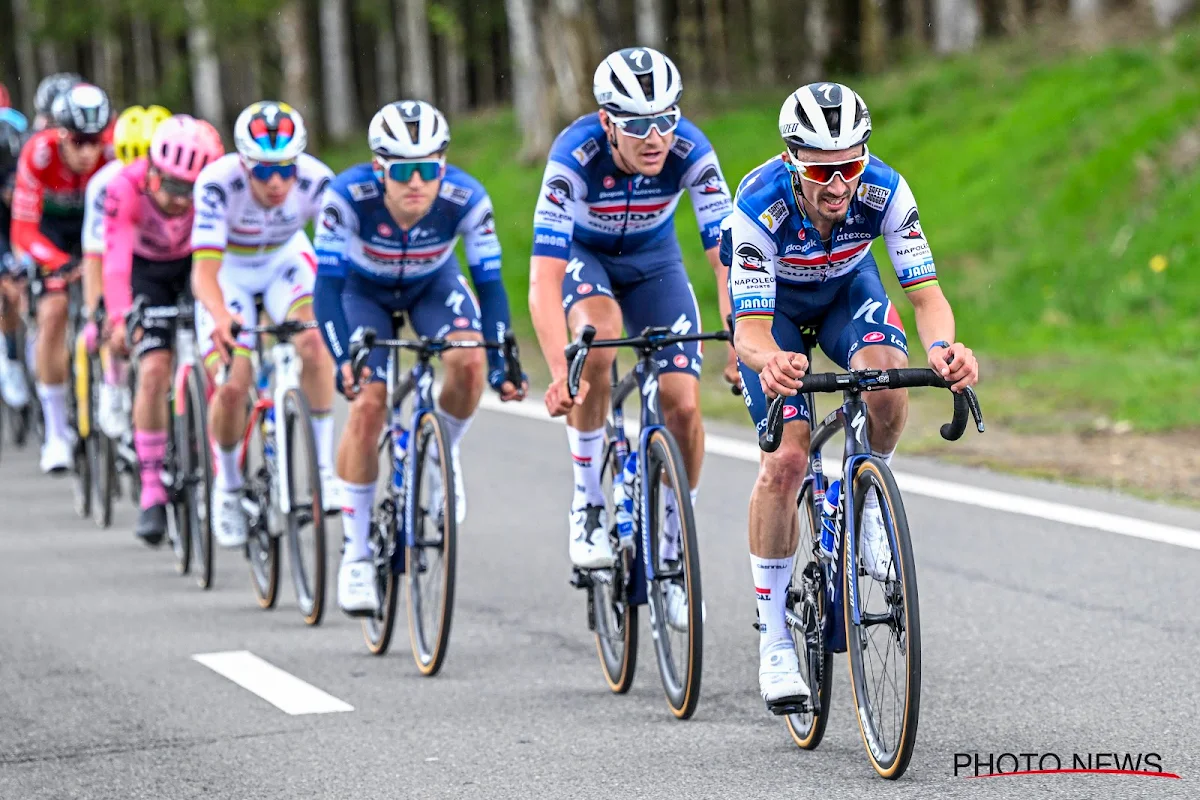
{"x": 268, "y": 433}
{"x": 829, "y": 507}
{"x": 399, "y": 452}
{"x": 623, "y": 502}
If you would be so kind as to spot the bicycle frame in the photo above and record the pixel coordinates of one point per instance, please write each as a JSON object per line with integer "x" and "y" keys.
{"x": 285, "y": 364}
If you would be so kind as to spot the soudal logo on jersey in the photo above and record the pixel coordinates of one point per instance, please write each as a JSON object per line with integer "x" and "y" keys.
{"x": 558, "y": 191}
{"x": 641, "y": 211}
{"x": 709, "y": 181}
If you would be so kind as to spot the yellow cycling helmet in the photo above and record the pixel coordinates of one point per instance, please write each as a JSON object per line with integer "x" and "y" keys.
{"x": 134, "y": 128}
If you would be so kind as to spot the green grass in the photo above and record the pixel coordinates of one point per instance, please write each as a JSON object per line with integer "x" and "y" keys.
{"x": 1046, "y": 188}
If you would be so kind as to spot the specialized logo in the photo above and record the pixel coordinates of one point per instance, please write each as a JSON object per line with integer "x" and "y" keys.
{"x": 752, "y": 258}
{"x": 455, "y": 301}
{"x": 710, "y": 181}
{"x": 574, "y": 266}
{"x": 639, "y": 61}
{"x": 558, "y": 191}
{"x": 911, "y": 227}
{"x": 681, "y": 326}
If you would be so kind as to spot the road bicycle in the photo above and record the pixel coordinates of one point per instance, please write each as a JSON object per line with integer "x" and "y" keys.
{"x": 282, "y": 489}
{"x": 647, "y": 570}
{"x": 833, "y": 606}
{"x": 408, "y": 536}
{"x": 187, "y": 464}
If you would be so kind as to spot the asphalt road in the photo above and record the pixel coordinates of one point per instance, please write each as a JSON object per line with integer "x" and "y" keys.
{"x": 1038, "y": 637}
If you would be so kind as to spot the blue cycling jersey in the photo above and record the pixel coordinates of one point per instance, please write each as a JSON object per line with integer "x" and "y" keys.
{"x": 586, "y": 198}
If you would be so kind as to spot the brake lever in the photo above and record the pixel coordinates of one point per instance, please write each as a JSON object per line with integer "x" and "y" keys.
{"x": 512, "y": 361}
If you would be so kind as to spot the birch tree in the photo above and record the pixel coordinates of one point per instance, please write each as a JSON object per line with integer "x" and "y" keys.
{"x": 956, "y": 25}
{"x": 418, "y": 52}
{"x": 337, "y": 84}
{"x": 529, "y": 96}
{"x": 205, "y": 69}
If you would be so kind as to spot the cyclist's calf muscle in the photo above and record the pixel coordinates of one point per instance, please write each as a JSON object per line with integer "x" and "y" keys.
{"x": 52, "y": 338}
{"x": 227, "y": 417}
{"x": 154, "y": 379}
{"x": 773, "y": 523}
{"x": 464, "y": 377}
{"x": 357, "y": 459}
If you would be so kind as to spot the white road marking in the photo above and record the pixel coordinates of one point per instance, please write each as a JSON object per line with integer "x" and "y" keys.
{"x": 281, "y": 689}
{"x": 929, "y": 487}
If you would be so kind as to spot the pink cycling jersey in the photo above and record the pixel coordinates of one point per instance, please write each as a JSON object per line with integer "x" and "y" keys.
{"x": 134, "y": 225}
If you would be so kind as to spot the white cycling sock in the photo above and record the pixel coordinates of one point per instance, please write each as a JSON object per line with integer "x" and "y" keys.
{"x": 872, "y": 501}
{"x": 229, "y": 477}
{"x": 587, "y": 455}
{"x": 357, "y": 500}
{"x": 455, "y": 429}
{"x": 771, "y": 579}
{"x": 54, "y": 409}
{"x": 322, "y": 425}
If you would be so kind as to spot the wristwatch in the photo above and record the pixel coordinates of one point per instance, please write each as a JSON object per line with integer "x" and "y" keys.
{"x": 938, "y": 343}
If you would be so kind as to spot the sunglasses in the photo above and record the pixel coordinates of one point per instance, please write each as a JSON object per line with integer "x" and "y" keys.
{"x": 85, "y": 140}
{"x": 640, "y": 127}
{"x": 823, "y": 173}
{"x": 175, "y": 187}
{"x": 264, "y": 172}
{"x": 402, "y": 171}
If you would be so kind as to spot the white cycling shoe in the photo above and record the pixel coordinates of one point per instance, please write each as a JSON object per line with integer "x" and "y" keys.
{"x": 356, "y": 588}
{"x": 331, "y": 491}
{"x": 873, "y": 544}
{"x": 56, "y": 455}
{"x": 435, "y": 494}
{"x": 589, "y": 547}
{"x": 228, "y": 518}
{"x": 779, "y": 678}
{"x": 12, "y": 383}
{"x": 113, "y": 411}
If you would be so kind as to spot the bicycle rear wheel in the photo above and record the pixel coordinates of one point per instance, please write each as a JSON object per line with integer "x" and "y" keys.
{"x": 198, "y": 476}
{"x": 306, "y": 554}
{"x": 430, "y": 559}
{"x": 101, "y": 455}
{"x": 614, "y": 618}
{"x": 679, "y": 647}
{"x": 889, "y": 616}
{"x": 79, "y": 422}
{"x": 807, "y": 603}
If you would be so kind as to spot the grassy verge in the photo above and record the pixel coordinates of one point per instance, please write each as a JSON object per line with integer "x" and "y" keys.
{"x": 1060, "y": 199}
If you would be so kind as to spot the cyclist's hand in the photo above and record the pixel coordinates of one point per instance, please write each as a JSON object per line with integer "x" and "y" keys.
{"x": 222, "y": 336}
{"x": 955, "y": 363}
{"x": 507, "y": 390}
{"x": 731, "y": 374}
{"x": 349, "y": 387}
{"x": 559, "y": 402}
{"x": 782, "y": 374}
{"x": 116, "y": 338}
{"x": 91, "y": 335}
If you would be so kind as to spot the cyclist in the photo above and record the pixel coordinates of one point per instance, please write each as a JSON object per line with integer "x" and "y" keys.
{"x": 47, "y": 212}
{"x": 12, "y": 371}
{"x": 800, "y": 251}
{"x": 386, "y": 243}
{"x": 50, "y": 89}
{"x": 605, "y": 248}
{"x": 148, "y": 251}
{"x": 248, "y": 239}
{"x": 131, "y": 141}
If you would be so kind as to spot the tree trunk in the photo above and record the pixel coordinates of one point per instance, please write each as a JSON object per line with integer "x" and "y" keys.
{"x": 817, "y": 33}
{"x": 873, "y": 45}
{"x": 205, "y": 68}
{"x": 454, "y": 64}
{"x": 715, "y": 45}
{"x": 23, "y": 40}
{"x": 571, "y": 37}
{"x": 762, "y": 39}
{"x": 145, "y": 73}
{"x": 648, "y": 24}
{"x": 916, "y": 25}
{"x": 336, "y": 78}
{"x": 956, "y": 25}
{"x": 739, "y": 42}
{"x": 414, "y": 40}
{"x": 108, "y": 57}
{"x": 528, "y": 81}
{"x": 291, "y": 30}
{"x": 485, "y": 68}
{"x": 387, "y": 67}
{"x": 691, "y": 61}
{"x": 1013, "y": 19}
{"x": 1168, "y": 12}
{"x": 609, "y": 23}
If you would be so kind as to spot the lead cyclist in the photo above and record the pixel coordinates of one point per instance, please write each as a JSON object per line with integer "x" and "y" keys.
{"x": 248, "y": 239}
{"x": 800, "y": 254}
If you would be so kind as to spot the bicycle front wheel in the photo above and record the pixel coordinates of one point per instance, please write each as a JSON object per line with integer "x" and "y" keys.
{"x": 101, "y": 456}
{"x": 262, "y": 543}
{"x": 385, "y": 530}
{"x": 433, "y": 545}
{"x": 807, "y": 602}
{"x": 79, "y": 416}
{"x": 614, "y": 618}
{"x": 676, "y": 602}
{"x": 884, "y": 644}
{"x": 198, "y": 479}
{"x": 306, "y": 521}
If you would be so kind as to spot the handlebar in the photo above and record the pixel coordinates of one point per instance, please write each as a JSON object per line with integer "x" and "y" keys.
{"x": 363, "y": 340}
{"x": 282, "y": 331}
{"x": 875, "y": 380}
{"x": 652, "y": 339}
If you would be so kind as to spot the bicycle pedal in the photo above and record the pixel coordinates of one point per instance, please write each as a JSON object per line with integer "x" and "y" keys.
{"x": 363, "y": 614}
{"x": 581, "y": 579}
{"x": 788, "y": 706}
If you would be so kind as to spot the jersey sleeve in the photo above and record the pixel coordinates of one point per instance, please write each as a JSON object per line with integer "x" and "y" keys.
{"x": 563, "y": 192}
{"x": 119, "y": 208}
{"x": 314, "y": 201}
{"x": 210, "y": 198}
{"x": 752, "y": 274}
{"x": 710, "y": 196}
{"x": 906, "y": 244}
{"x": 28, "y": 195}
{"x": 338, "y": 224}
{"x": 478, "y": 229}
{"x": 93, "y": 218}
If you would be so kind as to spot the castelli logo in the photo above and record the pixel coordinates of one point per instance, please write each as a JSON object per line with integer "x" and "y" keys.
{"x": 609, "y": 181}
{"x": 681, "y": 361}
{"x": 873, "y": 337}
{"x": 584, "y": 288}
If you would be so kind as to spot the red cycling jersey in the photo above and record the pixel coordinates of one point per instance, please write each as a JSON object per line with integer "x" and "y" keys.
{"x": 46, "y": 188}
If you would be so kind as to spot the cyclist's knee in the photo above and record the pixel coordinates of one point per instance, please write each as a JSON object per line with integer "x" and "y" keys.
{"x": 311, "y": 348}
{"x": 154, "y": 373}
{"x": 879, "y": 357}
{"x": 680, "y": 404}
{"x": 367, "y": 413}
{"x": 783, "y": 470}
{"x": 52, "y": 311}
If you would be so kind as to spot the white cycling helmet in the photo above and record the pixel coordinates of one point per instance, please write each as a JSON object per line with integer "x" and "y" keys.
{"x": 824, "y": 116}
{"x": 637, "y": 81}
{"x": 270, "y": 132}
{"x": 408, "y": 129}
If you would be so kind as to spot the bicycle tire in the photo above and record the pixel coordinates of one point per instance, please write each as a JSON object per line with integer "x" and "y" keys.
{"x": 808, "y": 602}
{"x": 618, "y": 667}
{"x": 262, "y": 544}
{"x": 79, "y": 422}
{"x": 200, "y": 478}
{"x": 378, "y": 629}
{"x": 888, "y": 764}
{"x": 663, "y": 458}
{"x": 429, "y": 651}
{"x": 310, "y": 589}
{"x": 179, "y": 529}
{"x": 104, "y": 480}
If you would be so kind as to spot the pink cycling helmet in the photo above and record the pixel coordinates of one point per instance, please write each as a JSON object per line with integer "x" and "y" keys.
{"x": 183, "y": 145}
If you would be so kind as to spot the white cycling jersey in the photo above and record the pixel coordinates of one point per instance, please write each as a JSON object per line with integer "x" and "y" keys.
{"x": 93, "y": 208}
{"x": 231, "y": 225}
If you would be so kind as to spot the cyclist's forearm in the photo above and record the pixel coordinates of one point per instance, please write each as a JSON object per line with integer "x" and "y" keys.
{"x": 545, "y": 309}
{"x": 93, "y": 281}
{"x": 205, "y": 286}
{"x": 935, "y": 319}
{"x": 327, "y": 308}
{"x": 754, "y": 343}
{"x": 493, "y": 303}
